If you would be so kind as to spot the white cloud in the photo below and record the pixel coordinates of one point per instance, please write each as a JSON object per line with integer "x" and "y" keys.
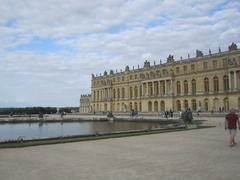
{"x": 99, "y": 35}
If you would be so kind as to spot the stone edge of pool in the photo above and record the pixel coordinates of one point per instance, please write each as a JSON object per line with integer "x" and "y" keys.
{"x": 77, "y": 138}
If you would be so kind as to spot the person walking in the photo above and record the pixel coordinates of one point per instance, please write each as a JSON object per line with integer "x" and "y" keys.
{"x": 231, "y": 121}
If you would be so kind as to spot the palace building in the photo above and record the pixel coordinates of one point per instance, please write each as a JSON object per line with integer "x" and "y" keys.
{"x": 85, "y": 104}
{"x": 203, "y": 83}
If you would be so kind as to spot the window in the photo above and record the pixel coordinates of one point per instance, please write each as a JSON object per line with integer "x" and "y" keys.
{"x": 205, "y": 65}
{"x": 131, "y": 92}
{"x": 185, "y": 87}
{"x": 123, "y": 93}
{"x": 130, "y": 77}
{"x": 215, "y": 84}
{"x": 164, "y": 72}
{"x": 194, "y": 105}
{"x": 215, "y": 64}
{"x": 118, "y": 93}
{"x": 178, "y": 88}
{"x": 122, "y": 78}
{"x": 177, "y": 70}
{"x": 136, "y": 91}
{"x": 225, "y": 62}
{"x": 135, "y": 76}
{"x": 225, "y": 83}
{"x": 193, "y": 67}
{"x": 194, "y": 86}
{"x": 184, "y": 69}
{"x": 206, "y": 85}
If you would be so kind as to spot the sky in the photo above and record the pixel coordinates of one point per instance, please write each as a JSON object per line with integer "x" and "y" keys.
{"x": 50, "y": 48}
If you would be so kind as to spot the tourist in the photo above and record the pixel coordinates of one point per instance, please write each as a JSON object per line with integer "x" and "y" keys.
{"x": 231, "y": 121}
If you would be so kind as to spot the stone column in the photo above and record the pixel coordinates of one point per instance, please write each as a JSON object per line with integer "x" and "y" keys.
{"x": 235, "y": 80}
{"x": 153, "y": 89}
{"x": 159, "y": 87}
{"x": 166, "y": 87}
{"x": 139, "y": 87}
{"x": 147, "y": 89}
{"x": 230, "y": 81}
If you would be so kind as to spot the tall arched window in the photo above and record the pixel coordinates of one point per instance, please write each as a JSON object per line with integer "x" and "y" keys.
{"x": 114, "y": 93}
{"x": 194, "y": 105}
{"x": 131, "y": 92}
{"x": 206, "y": 106}
{"x": 130, "y": 106}
{"x": 118, "y": 93}
{"x": 178, "y": 87}
{"x": 185, "y": 83}
{"x": 194, "y": 86}
{"x": 123, "y": 93}
{"x": 155, "y": 106}
{"x": 135, "y": 107}
{"x": 185, "y": 104}
{"x": 206, "y": 85}
{"x": 162, "y": 106}
{"x": 215, "y": 84}
{"x": 225, "y": 83}
{"x": 226, "y": 104}
{"x": 178, "y": 103}
{"x": 136, "y": 91}
{"x": 149, "y": 106}
{"x": 140, "y": 91}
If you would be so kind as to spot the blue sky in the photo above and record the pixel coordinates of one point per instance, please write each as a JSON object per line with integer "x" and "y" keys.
{"x": 50, "y": 48}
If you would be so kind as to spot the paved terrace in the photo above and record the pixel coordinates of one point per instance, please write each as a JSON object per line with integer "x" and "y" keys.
{"x": 190, "y": 155}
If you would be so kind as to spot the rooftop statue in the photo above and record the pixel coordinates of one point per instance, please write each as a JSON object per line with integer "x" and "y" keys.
{"x": 127, "y": 68}
{"x": 199, "y": 53}
{"x": 170, "y": 59}
{"x": 232, "y": 47}
{"x": 111, "y": 72}
{"x": 219, "y": 50}
{"x": 146, "y": 64}
{"x": 105, "y": 73}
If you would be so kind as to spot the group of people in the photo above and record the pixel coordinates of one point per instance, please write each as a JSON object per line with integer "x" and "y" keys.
{"x": 166, "y": 114}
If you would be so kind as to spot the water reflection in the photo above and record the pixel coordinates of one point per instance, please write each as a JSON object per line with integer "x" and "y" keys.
{"x": 11, "y": 131}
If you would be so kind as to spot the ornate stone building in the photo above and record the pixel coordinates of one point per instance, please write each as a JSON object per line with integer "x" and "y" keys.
{"x": 205, "y": 82}
{"x": 85, "y": 104}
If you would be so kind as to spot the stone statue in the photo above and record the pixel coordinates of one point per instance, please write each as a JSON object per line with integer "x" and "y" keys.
{"x": 127, "y": 68}
{"x": 210, "y": 52}
{"x": 111, "y": 72}
{"x": 105, "y": 73}
{"x": 93, "y": 76}
{"x": 146, "y": 64}
{"x": 199, "y": 53}
{"x": 219, "y": 49}
{"x": 170, "y": 59}
{"x": 187, "y": 116}
{"x": 232, "y": 47}
{"x": 188, "y": 55}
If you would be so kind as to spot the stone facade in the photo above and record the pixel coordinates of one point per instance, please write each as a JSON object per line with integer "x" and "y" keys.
{"x": 203, "y": 83}
{"x": 85, "y": 103}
